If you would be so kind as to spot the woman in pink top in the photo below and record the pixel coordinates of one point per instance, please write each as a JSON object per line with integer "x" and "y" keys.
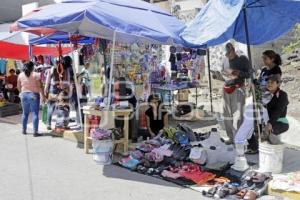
{"x": 30, "y": 87}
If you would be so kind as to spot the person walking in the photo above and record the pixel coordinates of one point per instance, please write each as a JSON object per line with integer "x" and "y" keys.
{"x": 86, "y": 80}
{"x": 234, "y": 95}
{"x": 30, "y": 86}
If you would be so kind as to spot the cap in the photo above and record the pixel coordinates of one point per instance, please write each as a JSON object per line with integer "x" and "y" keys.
{"x": 229, "y": 47}
{"x": 275, "y": 77}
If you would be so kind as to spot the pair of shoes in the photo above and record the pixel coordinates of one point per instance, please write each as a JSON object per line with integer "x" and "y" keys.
{"x": 37, "y": 135}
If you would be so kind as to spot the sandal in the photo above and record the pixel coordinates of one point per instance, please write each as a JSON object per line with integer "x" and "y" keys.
{"x": 259, "y": 177}
{"x": 241, "y": 194}
{"x": 250, "y": 195}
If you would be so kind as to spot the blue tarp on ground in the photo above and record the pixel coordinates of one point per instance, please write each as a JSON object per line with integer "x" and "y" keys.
{"x": 221, "y": 20}
{"x": 133, "y": 20}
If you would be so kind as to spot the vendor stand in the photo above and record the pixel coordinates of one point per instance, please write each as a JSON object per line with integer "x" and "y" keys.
{"x": 125, "y": 113}
{"x": 170, "y": 88}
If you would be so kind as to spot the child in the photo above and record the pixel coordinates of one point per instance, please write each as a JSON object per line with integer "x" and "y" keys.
{"x": 62, "y": 111}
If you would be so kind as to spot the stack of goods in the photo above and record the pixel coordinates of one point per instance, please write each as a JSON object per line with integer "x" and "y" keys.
{"x": 287, "y": 185}
{"x": 180, "y": 155}
{"x": 102, "y": 145}
{"x": 101, "y": 134}
{"x": 252, "y": 185}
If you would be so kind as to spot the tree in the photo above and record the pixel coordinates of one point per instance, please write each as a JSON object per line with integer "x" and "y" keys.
{"x": 295, "y": 44}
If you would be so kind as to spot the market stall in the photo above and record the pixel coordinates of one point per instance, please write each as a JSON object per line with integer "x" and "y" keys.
{"x": 112, "y": 20}
{"x": 176, "y": 154}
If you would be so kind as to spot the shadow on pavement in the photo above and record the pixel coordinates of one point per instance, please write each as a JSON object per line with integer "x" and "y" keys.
{"x": 112, "y": 171}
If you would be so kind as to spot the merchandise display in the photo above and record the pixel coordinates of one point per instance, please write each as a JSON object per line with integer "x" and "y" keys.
{"x": 180, "y": 153}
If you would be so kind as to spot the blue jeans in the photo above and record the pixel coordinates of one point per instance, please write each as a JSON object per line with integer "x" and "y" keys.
{"x": 30, "y": 103}
{"x": 51, "y": 108}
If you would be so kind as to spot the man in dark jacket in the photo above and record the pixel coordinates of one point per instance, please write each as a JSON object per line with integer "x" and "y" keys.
{"x": 235, "y": 74}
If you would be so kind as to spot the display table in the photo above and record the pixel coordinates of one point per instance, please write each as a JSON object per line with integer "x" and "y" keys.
{"x": 174, "y": 87}
{"x": 116, "y": 113}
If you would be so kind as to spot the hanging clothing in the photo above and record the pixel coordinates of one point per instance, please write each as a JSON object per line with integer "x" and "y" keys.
{"x": 3, "y": 66}
{"x": 172, "y": 60}
{"x": 11, "y": 64}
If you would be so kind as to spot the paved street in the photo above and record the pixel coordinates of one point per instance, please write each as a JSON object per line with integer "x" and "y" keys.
{"x": 48, "y": 168}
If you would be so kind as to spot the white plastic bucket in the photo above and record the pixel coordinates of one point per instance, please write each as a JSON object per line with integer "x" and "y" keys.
{"x": 103, "y": 151}
{"x": 270, "y": 158}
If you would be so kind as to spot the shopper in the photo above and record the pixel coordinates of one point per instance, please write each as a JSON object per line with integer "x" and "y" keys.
{"x": 234, "y": 91}
{"x": 156, "y": 116}
{"x": 86, "y": 80}
{"x": 57, "y": 80}
{"x": 74, "y": 97}
{"x": 30, "y": 87}
{"x": 274, "y": 114}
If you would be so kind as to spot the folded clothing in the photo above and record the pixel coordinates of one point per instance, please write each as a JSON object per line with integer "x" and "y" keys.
{"x": 170, "y": 174}
{"x": 163, "y": 150}
{"x": 137, "y": 154}
{"x": 101, "y": 134}
{"x": 146, "y": 147}
{"x": 154, "y": 157}
{"x": 288, "y": 182}
{"x": 193, "y": 172}
{"x": 129, "y": 163}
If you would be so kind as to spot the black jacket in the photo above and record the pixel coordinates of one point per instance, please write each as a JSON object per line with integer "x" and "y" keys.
{"x": 277, "y": 107}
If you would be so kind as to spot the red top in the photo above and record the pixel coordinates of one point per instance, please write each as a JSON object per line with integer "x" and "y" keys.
{"x": 12, "y": 79}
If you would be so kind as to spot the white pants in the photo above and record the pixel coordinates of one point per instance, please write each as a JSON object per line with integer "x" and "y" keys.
{"x": 247, "y": 128}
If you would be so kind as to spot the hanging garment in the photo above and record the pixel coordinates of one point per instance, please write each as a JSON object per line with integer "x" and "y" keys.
{"x": 11, "y": 64}
{"x": 3, "y": 66}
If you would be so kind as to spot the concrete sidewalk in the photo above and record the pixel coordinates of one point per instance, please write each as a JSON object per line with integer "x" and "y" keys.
{"x": 48, "y": 168}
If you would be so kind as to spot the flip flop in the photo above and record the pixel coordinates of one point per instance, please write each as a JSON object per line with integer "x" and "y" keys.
{"x": 241, "y": 194}
{"x": 250, "y": 195}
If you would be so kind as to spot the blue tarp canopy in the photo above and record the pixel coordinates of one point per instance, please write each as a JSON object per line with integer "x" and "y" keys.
{"x": 58, "y": 37}
{"x": 222, "y": 20}
{"x": 133, "y": 21}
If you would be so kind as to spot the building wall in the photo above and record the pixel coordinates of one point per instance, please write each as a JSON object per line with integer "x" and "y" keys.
{"x": 11, "y": 10}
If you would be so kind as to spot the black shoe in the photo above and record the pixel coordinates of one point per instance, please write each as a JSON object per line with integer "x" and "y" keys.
{"x": 24, "y": 133}
{"x": 49, "y": 128}
{"x": 37, "y": 135}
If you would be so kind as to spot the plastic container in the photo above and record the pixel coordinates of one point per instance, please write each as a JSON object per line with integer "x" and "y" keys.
{"x": 270, "y": 158}
{"x": 103, "y": 151}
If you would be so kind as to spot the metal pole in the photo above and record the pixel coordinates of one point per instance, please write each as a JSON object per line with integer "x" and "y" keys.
{"x": 247, "y": 36}
{"x": 255, "y": 106}
{"x": 111, "y": 68}
{"x": 77, "y": 90}
{"x": 209, "y": 81}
